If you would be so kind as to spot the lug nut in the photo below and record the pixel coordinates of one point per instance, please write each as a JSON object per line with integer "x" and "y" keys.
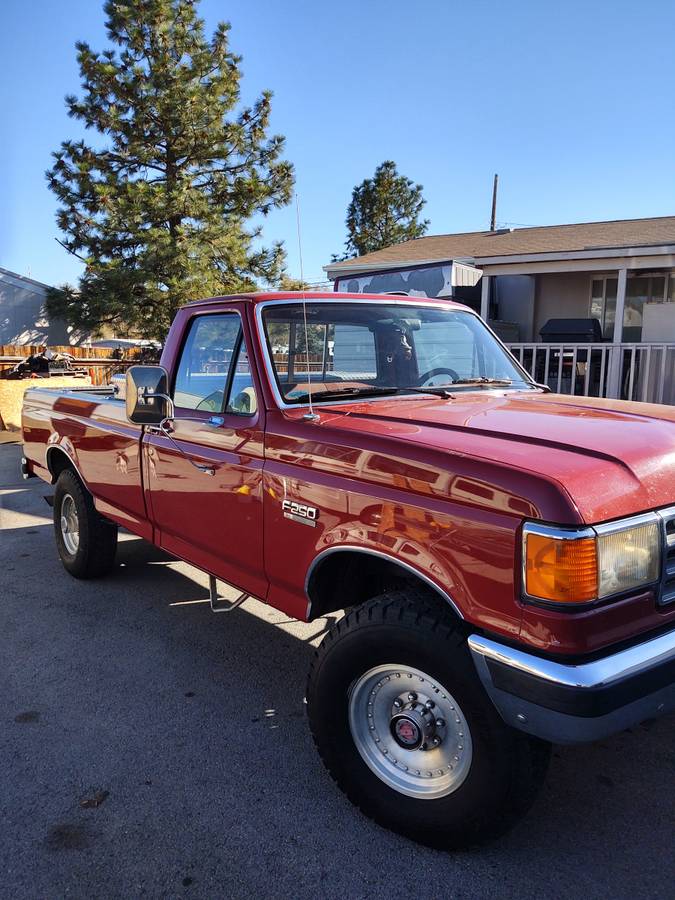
{"x": 440, "y": 723}
{"x": 398, "y": 703}
{"x": 429, "y": 704}
{"x": 412, "y": 696}
{"x": 436, "y": 740}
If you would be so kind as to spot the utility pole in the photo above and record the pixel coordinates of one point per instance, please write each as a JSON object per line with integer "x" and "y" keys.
{"x": 493, "y": 217}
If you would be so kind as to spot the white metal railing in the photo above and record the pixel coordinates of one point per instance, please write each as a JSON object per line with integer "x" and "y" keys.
{"x": 643, "y": 372}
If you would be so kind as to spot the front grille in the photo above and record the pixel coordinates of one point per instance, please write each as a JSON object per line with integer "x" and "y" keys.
{"x": 667, "y": 591}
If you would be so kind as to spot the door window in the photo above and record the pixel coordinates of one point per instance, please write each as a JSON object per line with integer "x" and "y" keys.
{"x": 207, "y": 373}
{"x": 242, "y": 400}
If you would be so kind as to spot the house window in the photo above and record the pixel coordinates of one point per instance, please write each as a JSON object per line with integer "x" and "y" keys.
{"x": 640, "y": 289}
{"x": 603, "y": 304}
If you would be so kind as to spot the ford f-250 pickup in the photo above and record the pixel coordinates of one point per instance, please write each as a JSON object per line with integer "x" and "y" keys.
{"x": 505, "y": 557}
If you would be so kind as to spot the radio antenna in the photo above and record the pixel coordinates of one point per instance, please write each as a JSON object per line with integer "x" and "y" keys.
{"x": 311, "y": 416}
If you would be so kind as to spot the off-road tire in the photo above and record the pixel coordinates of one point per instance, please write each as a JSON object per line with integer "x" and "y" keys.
{"x": 507, "y": 767}
{"x": 97, "y": 542}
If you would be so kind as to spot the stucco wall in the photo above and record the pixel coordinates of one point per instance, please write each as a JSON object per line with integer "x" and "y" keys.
{"x": 22, "y": 314}
{"x": 563, "y": 295}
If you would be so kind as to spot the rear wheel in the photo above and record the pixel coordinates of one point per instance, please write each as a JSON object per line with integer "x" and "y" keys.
{"x": 86, "y": 542}
{"x": 405, "y": 728}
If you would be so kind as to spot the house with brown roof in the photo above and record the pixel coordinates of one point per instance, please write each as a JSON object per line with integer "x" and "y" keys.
{"x": 620, "y": 273}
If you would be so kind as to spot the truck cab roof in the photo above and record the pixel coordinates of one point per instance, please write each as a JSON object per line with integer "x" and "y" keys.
{"x": 265, "y": 296}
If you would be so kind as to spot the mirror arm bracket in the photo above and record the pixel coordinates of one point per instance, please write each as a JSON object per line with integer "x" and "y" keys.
{"x": 149, "y": 395}
{"x": 163, "y": 428}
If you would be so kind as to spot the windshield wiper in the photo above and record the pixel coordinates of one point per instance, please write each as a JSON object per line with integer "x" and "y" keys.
{"x": 437, "y": 389}
{"x": 481, "y": 380}
{"x": 377, "y": 390}
{"x": 317, "y": 396}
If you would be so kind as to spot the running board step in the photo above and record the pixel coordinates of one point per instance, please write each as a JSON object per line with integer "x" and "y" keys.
{"x": 220, "y": 604}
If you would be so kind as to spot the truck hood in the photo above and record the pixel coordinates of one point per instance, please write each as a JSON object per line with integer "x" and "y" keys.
{"x": 612, "y": 458}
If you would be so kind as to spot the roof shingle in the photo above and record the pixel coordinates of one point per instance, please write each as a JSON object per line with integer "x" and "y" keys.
{"x": 541, "y": 239}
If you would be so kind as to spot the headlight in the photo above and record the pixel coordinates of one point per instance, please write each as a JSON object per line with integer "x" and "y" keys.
{"x": 628, "y": 556}
{"x": 582, "y": 565}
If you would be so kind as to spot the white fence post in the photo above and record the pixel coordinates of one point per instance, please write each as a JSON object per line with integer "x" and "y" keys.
{"x": 648, "y": 377}
{"x": 616, "y": 355}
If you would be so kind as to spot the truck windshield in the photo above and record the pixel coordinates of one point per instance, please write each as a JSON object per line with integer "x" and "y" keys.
{"x": 364, "y": 349}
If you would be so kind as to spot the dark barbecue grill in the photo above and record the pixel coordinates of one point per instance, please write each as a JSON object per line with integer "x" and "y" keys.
{"x": 571, "y": 331}
{"x": 573, "y": 372}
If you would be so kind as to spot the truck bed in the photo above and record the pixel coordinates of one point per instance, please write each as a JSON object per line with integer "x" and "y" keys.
{"x": 89, "y": 425}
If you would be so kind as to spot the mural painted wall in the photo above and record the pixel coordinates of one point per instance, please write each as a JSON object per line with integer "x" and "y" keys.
{"x": 429, "y": 281}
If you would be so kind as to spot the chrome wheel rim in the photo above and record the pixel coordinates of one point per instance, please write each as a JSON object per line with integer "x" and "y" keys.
{"x": 410, "y": 731}
{"x": 70, "y": 525}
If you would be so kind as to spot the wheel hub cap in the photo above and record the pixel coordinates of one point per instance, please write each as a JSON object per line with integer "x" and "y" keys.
{"x": 407, "y": 732}
{"x": 70, "y": 526}
{"x": 415, "y": 726}
{"x": 410, "y": 731}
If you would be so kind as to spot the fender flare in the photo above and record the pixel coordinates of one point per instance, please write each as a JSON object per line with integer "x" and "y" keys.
{"x": 347, "y": 548}
{"x": 54, "y": 448}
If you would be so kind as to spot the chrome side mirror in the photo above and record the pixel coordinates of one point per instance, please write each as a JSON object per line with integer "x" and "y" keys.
{"x": 147, "y": 398}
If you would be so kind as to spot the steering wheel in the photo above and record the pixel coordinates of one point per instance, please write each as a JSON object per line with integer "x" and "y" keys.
{"x": 441, "y": 370}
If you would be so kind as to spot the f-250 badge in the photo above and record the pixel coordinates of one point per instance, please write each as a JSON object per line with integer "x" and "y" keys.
{"x": 300, "y": 512}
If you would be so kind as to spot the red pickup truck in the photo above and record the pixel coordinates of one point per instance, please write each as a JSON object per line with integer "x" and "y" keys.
{"x": 505, "y": 557}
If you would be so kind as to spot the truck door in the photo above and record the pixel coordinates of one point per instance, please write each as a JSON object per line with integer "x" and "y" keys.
{"x": 212, "y": 516}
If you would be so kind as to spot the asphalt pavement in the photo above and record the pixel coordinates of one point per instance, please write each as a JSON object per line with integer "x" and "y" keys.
{"x": 149, "y": 748}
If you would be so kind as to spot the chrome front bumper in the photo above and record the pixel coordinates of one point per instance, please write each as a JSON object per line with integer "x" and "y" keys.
{"x": 571, "y": 704}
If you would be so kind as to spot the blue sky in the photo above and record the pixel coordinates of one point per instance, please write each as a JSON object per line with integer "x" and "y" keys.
{"x": 572, "y": 103}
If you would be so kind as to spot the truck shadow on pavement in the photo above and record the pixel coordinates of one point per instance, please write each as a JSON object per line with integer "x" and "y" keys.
{"x": 192, "y": 726}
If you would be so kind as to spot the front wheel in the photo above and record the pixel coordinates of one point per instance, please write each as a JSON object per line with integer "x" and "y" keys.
{"x": 405, "y": 728}
{"x": 86, "y": 542}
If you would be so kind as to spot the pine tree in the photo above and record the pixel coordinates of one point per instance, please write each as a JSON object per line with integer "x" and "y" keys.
{"x": 288, "y": 283}
{"x": 384, "y": 210}
{"x": 159, "y": 209}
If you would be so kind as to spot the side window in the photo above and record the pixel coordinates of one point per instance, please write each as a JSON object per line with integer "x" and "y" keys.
{"x": 242, "y": 399}
{"x": 204, "y": 368}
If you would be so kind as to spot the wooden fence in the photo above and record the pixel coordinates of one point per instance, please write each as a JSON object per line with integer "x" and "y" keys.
{"x": 21, "y": 350}
{"x": 100, "y": 362}
{"x": 300, "y": 363}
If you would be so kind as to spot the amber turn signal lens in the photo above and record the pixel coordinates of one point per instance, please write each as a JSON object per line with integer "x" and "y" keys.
{"x": 563, "y": 570}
